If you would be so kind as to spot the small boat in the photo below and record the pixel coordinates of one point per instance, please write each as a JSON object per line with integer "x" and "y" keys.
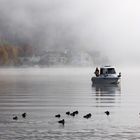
{"x": 106, "y": 75}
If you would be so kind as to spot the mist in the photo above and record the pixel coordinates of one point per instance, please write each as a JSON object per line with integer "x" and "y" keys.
{"x": 109, "y": 27}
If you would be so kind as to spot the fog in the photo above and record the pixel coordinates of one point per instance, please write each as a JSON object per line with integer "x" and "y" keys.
{"x": 108, "y": 26}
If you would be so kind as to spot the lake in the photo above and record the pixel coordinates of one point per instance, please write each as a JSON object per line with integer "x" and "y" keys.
{"x": 43, "y": 93}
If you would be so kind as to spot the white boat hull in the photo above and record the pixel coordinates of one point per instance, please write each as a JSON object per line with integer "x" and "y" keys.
{"x": 105, "y": 80}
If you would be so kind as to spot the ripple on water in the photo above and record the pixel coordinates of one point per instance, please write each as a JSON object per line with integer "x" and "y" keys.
{"x": 43, "y": 96}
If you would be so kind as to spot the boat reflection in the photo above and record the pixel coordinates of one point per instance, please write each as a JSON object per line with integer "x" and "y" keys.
{"x": 102, "y": 89}
{"x": 106, "y": 93}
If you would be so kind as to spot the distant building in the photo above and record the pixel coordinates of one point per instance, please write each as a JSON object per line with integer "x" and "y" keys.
{"x": 82, "y": 59}
{"x": 29, "y": 60}
{"x": 53, "y": 58}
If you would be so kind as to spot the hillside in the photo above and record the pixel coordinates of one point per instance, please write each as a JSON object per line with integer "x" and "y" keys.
{"x": 27, "y": 55}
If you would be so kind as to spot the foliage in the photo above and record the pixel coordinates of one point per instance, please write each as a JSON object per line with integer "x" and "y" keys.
{"x": 10, "y": 54}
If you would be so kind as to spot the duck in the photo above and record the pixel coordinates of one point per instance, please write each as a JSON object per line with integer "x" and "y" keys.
{"x": 24, "y": 115}
{"x": 15, "y": 118}
{"x": 107, "y": 113}
{"x": 58, "y": 116}
{"x": 76, "y": 112}
{"x": 62, "y": 121}
{"x": 87, "y": 116}
{"x": 67, "y": 113}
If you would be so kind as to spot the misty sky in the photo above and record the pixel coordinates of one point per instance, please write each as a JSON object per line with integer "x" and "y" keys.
{"x": 109, "y": 26}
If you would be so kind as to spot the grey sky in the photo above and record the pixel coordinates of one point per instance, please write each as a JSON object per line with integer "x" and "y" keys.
{"x": 110, "y": 26}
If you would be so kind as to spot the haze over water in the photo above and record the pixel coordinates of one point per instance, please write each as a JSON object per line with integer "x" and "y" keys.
{"x": 103, "y": 31}
{"x": 43, "y": 93}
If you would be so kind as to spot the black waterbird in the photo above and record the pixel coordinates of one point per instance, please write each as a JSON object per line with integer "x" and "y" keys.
{"x": 76, "y": 112}
{"x": 62, "y": 122}
{"x": 107, "y": 113}
{"x": 87, "y": 116}
{"x": 24, "y": 115}
{"x": 58, "y": 116}
{"x": 68, "y": 113}
{"x": 15, "y": 118}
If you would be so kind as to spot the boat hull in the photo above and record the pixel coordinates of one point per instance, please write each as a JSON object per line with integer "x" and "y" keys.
{"x": 105, "y": 80}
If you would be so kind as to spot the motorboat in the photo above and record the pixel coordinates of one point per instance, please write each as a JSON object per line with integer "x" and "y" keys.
{"x": 106, "y": 75}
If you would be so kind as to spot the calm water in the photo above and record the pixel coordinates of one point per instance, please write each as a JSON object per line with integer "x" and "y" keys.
{"x": 43, "y": 93}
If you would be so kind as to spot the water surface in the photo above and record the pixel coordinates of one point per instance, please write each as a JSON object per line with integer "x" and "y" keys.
{"x": 43, "y": 93}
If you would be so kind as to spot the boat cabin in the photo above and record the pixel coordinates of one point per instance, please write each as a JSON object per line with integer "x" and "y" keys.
{"x": 106, "y": 75}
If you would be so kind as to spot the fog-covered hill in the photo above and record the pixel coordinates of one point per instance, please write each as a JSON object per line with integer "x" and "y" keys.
{"x": 26, "y": 55}
{"x": 47, "y": 33}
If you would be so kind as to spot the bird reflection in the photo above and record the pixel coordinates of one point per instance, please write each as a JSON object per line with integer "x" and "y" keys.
{"x": 106, "y": 93}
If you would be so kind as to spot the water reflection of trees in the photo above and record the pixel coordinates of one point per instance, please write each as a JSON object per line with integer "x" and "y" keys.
{"x": 105, "y": 93}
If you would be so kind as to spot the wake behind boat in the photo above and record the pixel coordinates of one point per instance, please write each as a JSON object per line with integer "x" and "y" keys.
{"x": 106, "y": 75}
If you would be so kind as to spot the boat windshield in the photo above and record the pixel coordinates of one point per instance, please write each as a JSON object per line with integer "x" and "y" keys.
{"x": 111, "y": 71}
{"x": 107, "y": 71}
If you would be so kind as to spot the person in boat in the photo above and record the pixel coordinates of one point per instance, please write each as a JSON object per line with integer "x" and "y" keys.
{"x": 97, "y": 72}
